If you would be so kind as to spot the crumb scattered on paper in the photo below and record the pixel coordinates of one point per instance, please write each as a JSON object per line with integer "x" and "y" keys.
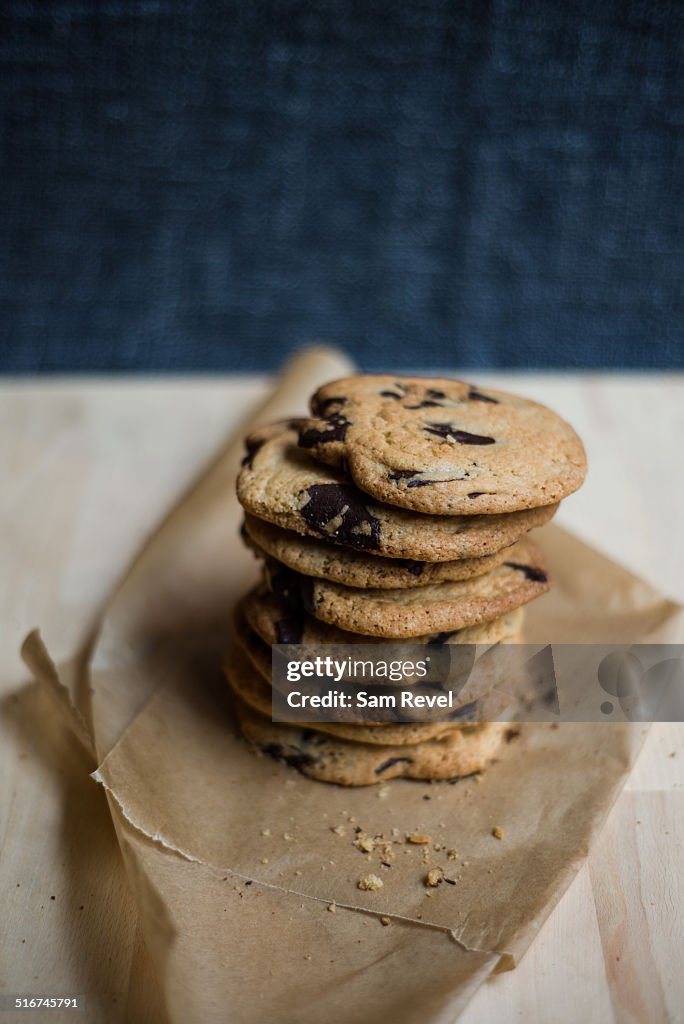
{"x": 370, "y": 883}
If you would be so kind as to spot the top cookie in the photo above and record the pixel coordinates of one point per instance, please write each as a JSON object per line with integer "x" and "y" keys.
{"x": 281, "y": 484}
{"x": 442, "y": 446}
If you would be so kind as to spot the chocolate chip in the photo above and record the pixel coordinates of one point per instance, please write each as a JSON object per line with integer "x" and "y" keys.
{"x": 357, "y": 528}
{"x": 390, "y": 394}
{"x": 435, "y": 394}
{"x": 441, "y": 638}
{"x": 390, "y": 761}
{"x": 290, "y": 587}
{"x": 412, "y": 477}
{"x": 465, "y": 711}
{"x": 311, "y": 736}
{"x": 477, "y": 396}
{"x": 415, "y": 568}
{"x": 298, "y": 759}
{"x": 320, "y": 408}
{"x": 290, "y": 630}
{"x": 531, "y": 573}
{"x": 252, "y": 448}
{"x": 425, "y": 405}
{"x": 462, "y": 436}
{"x": 336, "y": 427}
{"x": 402, "y": 474}
{"x": 476, "y": 494}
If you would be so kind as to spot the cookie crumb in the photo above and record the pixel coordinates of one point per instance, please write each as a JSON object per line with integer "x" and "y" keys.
{"x": 287, "y": 836}
{"x": 264, "y": 860}
{"x": 387, "y": 855}
{"x": 365, "y": 844}
{"x": 434, "y": 877}
{"x": 418, "y": 839}
{"x": 369, "y": 883}
{"x": 384, "y": 921}
{"x": 452, "y": 854}
{"x": 265, "y": 831}
{"x": 332, "y": 907}
{"x": 497, "y": 832}
{"x": 339, "y": 830}
{"x": 383, "y": 792}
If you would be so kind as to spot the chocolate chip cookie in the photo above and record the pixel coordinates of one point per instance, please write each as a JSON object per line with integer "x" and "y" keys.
{"x": 408, "y": 613}
{"x": 444, "y": 447}
{"x": 255, "y": 691}
{"x": 313, "y": 557}
{"x": 328, "y": 758}
{"x": 276, "y": 623}
{"x": 281, "y": 484}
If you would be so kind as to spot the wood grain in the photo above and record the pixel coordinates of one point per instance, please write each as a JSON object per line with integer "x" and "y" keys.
{"x": 87, "y": 469}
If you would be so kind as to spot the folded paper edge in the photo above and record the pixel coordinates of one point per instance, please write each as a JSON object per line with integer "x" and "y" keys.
{"x": 38, "y": 660}
{"x": 158, "y": 839}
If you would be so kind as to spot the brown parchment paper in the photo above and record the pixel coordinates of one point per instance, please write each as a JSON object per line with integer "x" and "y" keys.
{"x": 232, "y": 857}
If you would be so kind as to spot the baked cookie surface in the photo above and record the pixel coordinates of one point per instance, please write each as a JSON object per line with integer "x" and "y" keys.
{"x": 434, "y": 608}
{"x": 255, "y": 691}
{"x": 276, "y": 623}
{"x": 332, "y": 759}
{"x": 282, "y": 484}
{"x": 442, "y": 446}
{"x": 313, "y": 557}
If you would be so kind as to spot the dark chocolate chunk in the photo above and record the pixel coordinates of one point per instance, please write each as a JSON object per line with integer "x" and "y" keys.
{"x": 321, "y": 408}
{"x": 477, "y": 396}
{"x": 358, "y": 528}
{"x": 435, "y": 394}
{"x": 290, "y": 630}
{"x": 425, "y": 404}
{"x": 290, "y": 587}
{"x": 462, "y": 436}
{"x": 390, "y": 761}
{"x": 298, "y": 759}
{"x": 441, "y": 638}
{"x": 412, "y": 477}
{"x": 476, "y": 494}
{"x": 390, "y": 394}
{"x": 415, "y": 568}
{"x": 311, "y": 736}
{"x": 531, "y": 573}
{"x": 465, "y": 711}
{"x": 252, "y": 448}
{"x": 402, "y": 474}
{"x": 336, "y": 427}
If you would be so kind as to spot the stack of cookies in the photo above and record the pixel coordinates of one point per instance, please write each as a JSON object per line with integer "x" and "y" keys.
{"x": 400, "y": 511}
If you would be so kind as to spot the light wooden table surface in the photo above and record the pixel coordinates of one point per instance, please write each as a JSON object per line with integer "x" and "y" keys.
{"x": 86, "y": 470}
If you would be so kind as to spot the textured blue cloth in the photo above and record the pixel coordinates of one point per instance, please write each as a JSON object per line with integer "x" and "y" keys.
{"x": 197, "y": 185}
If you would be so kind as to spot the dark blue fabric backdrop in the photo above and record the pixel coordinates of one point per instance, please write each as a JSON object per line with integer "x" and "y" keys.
{"x": 197, "y": 185}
